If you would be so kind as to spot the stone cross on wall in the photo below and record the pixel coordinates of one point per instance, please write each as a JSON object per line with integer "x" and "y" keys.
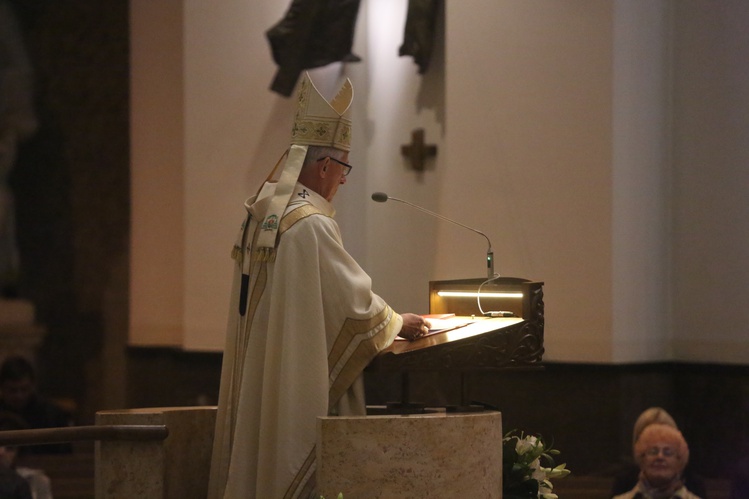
{"x": 417, "y": 151}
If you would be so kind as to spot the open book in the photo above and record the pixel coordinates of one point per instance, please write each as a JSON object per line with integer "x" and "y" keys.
{"x": 446, "y": 322}
{"x": 441, "y": 323}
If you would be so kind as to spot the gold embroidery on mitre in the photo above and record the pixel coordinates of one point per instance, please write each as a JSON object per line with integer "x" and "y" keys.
{"x": 322, "y": 123}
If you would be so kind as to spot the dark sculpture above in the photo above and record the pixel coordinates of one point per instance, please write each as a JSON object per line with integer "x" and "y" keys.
{"x": 418, "y": 37}
{"x": 313, "y": 33}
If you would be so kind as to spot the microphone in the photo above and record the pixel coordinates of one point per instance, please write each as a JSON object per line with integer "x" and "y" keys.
{"x": 381, "y": 197}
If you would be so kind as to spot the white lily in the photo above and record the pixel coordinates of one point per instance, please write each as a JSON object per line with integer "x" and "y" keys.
{"x": 526, "y": 445}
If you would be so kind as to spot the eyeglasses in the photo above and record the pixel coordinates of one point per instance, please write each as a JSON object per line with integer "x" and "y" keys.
{"x": 666, "y": 451}
{"x": 346, "y": 166}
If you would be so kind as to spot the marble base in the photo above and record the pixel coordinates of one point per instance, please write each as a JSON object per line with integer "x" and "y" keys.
{"x": 410, "y": 457}
{"x": 176, "y": 467}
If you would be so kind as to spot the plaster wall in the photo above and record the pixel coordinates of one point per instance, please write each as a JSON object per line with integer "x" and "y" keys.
{"x": 598, "y": 144}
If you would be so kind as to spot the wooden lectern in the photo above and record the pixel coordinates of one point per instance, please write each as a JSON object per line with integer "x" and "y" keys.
{"x": 513, "y": 337}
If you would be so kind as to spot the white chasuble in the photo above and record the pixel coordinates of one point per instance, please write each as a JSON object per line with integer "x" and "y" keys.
{"x": 300, "y": 334}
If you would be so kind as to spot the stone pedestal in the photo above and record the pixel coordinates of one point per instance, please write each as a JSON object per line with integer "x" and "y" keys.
{"x": 410, "y": 457}
{"x": 176, "y": 467}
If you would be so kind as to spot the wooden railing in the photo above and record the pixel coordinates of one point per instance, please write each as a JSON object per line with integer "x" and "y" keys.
{"x": 83, "y": 434}
{"x": 150, "y": 453}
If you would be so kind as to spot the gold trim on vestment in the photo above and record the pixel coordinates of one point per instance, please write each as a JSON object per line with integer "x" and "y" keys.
{"x": 356, "y": 345}
{"x": 296, "y": 215}
{"x": 304, "y": 480}
{"x": 236, "y": 253}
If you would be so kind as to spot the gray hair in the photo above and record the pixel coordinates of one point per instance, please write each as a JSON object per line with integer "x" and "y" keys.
{"x": 316, "y": 152}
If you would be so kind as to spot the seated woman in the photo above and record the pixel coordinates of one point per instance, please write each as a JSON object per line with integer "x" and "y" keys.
{"x": 629, "y": 475}
{"x": 662, "y": 454}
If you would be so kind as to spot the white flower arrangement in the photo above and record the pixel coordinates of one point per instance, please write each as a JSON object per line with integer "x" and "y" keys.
{"x": 528, "y": 467}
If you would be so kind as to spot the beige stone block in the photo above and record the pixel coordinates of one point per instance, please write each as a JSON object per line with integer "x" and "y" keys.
{"x": 176, "y": 467}
{"x": 410, "y": 457}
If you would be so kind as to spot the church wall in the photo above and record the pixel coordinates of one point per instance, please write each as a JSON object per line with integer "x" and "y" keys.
{"x": 711, "y": 153}
{"x": 199, "y": 100}
{"x": 230, "y": 138}
{"x": 529, "y": 115}
{"x": 158, "y": 147}
{"x": 235, "y": 130}
{"x": 641, "y": 166}
{"x": 560, "y": 115}
{"x": 637, "y": 265}
{"x": 400, "y": 247}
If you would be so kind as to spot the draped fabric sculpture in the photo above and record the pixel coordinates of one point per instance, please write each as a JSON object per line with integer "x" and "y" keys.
{"x": 418, "y": 37}
{"x": 314, "y": 33}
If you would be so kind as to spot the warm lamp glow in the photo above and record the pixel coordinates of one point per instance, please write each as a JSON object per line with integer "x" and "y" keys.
{"x": 474, "y": 294}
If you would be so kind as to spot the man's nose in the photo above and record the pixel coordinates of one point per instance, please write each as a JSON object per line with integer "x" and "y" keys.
{"x": 343, "y": 179}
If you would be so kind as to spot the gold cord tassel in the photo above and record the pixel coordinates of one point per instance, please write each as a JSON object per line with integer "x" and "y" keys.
{"x": 236, "y": 253}
{"x": 264, "y": 255}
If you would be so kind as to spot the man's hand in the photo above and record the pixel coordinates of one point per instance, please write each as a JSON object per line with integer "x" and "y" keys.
{"x": 414, "y": 326}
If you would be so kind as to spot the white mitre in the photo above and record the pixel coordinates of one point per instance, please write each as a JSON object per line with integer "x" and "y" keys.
{"x": 321, "y": 123}
{"x": 317, "y": 122}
